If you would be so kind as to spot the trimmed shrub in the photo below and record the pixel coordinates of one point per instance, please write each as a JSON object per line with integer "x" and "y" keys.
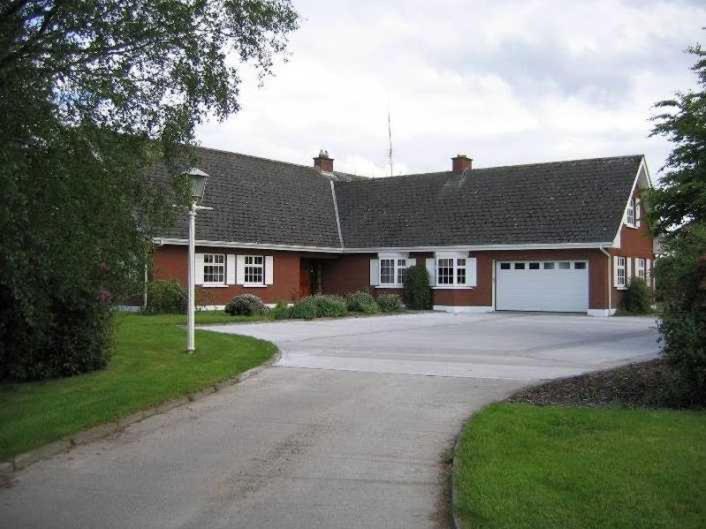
{"x": 637, "y": 299}
{"x": 281, "y": 311}
{"x": 362, "y": 301}
{"x": 389, "y": 303}
{"x": 328, "y": 306}
{"x": 165, "y": 297}
{"x": 417, "y": 293}
{"x": 304, "y": 309}
{"x": 246, "y": 305}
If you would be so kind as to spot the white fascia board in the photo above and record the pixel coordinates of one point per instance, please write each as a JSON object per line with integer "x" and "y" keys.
{"x": 253, "y": 245}
{"x": 387, "y": 250}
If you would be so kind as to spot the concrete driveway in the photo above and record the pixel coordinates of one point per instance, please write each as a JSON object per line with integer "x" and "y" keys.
{"x": 349, "y": 430}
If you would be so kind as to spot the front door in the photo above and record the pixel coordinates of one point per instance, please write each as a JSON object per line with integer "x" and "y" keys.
{"x": 305, "y": 272}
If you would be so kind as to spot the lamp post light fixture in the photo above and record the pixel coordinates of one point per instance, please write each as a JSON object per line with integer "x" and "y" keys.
{"x": 198, "y": 185}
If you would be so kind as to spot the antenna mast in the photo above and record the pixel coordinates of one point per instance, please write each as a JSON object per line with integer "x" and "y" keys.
{"x": 389, "y": 138}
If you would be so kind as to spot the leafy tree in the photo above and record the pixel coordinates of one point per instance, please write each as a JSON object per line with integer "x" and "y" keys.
{"x": 680, "y": 201}
{"x": 91, "y": 94}
{"x": 678, "y": 212}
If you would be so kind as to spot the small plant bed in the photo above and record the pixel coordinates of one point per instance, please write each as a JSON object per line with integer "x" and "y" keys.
{"x": 149, "y": 366}
{"x": 646, "y": 384}
{"x": 520, "y": 466}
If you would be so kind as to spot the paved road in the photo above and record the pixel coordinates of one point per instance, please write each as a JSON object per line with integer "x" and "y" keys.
{"x": 348, "y": 431}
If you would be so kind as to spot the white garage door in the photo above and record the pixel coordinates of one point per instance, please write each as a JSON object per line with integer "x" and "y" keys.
{"x": 559, "y": 286}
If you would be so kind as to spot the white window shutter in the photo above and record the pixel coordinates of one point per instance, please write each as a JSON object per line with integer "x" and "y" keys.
{"x": 648, "y": 272}
{"x": 269, "y": 270}
{"x": 471, "y": 272}
{"x": 230, "y": 269}
{"x": 240, "y": 270}
{"x": 431, "y": 270}
{"x": 411, "y": 261}
{"x": 199, "y": 269}
{"x": 374, "y": 272}
{"x": 615, "y": 271}
{"x": 628, "y": 270}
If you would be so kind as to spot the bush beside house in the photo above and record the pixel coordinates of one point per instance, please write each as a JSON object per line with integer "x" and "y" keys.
{"x": 362, "y": 302}
{"x": 417, "y": 293}
{"x": 165, "y": 297}
{"x": 637, "y": 298}
{"x": 246, "y": 305}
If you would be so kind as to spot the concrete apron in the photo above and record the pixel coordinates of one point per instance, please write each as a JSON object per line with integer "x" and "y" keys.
{"x": 291, "y": 447}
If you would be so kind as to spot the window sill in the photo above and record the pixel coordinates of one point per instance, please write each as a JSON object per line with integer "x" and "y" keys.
{"x": 212, "y": 285}
{"x": 631, "y": 226}
{"x": 453, "y": 287}
{"x": 254, "y": 285}
{"x": 389, "y": 286}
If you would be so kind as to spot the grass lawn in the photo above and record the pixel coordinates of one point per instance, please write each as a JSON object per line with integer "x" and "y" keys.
{"x": 525, "y": 466}
{"x": 149, "y": 366}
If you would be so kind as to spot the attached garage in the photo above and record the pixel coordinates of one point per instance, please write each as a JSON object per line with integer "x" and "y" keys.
{"x": 552, "y": 286}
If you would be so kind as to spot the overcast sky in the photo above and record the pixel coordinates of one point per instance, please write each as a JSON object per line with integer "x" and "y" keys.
{"x": 505, "y": 82}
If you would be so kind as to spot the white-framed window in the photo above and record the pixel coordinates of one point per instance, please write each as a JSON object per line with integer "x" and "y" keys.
{"x": 254, "y": 270}
{"x": 620, "y": 272}
{"x": 630, "y": 214}
{"x": 214, "y": 269}
{"x": 640, "y": 268}
{"x": 451, "y": 271}
{"x": 393, "y": 270}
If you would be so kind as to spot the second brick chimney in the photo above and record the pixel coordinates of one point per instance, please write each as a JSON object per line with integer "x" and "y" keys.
{"x": 461, "y": 163}
{"x": 323, "y": 162}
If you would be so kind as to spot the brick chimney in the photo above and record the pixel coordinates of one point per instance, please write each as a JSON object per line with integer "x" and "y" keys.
{"x": 461, "y": 163}
{"x": 323, "y": 162}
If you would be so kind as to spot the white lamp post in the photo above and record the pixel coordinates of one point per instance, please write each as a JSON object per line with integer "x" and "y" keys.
{"x": 198, "y": 186}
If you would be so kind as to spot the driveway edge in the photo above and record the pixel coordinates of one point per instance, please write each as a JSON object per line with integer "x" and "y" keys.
{"x": 21, "y": 461}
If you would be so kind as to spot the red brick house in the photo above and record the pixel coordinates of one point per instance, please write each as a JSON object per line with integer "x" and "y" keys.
{"x": 562, "y": 236}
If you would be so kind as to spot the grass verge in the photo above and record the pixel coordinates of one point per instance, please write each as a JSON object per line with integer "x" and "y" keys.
{"x": 149, "y": 366}
{"x": 520, "y": 466}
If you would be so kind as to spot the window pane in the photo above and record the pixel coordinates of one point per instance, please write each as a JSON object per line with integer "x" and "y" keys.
{"x": 519, "y": 266}
{"x": 401, "y": 275}
{"x": 579, "y": 265}
{"x": 460, "y": 262}
{"x": 565, "y": 265}
{"x": 549, "y": 266}
{"x": 534, "y": 266}
{"x": 460, "y": 276}
{"x": 445, "y": 272}
{"x": 504, "y": 266}
{"x": 214, "y": 270}
{"x": 387, "y": 271}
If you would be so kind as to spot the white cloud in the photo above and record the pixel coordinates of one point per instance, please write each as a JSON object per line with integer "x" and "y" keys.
{"x": 505, "y": 81}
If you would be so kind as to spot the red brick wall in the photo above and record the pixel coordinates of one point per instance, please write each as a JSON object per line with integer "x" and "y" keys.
{"x": 170, "y": 262}
{"x": 347, "y": 274}
{"x": 352, "y": 272}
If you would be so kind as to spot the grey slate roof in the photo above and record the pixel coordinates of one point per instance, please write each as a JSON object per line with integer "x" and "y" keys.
{"x": 579, "y": 201}
{"x": 256, "y": 200}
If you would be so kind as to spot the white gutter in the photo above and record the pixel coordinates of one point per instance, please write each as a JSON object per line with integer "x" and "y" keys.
{"x": 390, "y": 249}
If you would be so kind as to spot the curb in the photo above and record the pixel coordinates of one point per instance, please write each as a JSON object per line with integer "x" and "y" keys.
{"x": 455, "y": 521}
{"x": 96, "y": 433}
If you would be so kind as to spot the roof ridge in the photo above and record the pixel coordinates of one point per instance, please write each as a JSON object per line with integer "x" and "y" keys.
{"x": 519, "y": 165}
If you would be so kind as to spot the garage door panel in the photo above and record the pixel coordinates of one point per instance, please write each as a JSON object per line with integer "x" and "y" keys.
{"x": 560, "y": 290}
